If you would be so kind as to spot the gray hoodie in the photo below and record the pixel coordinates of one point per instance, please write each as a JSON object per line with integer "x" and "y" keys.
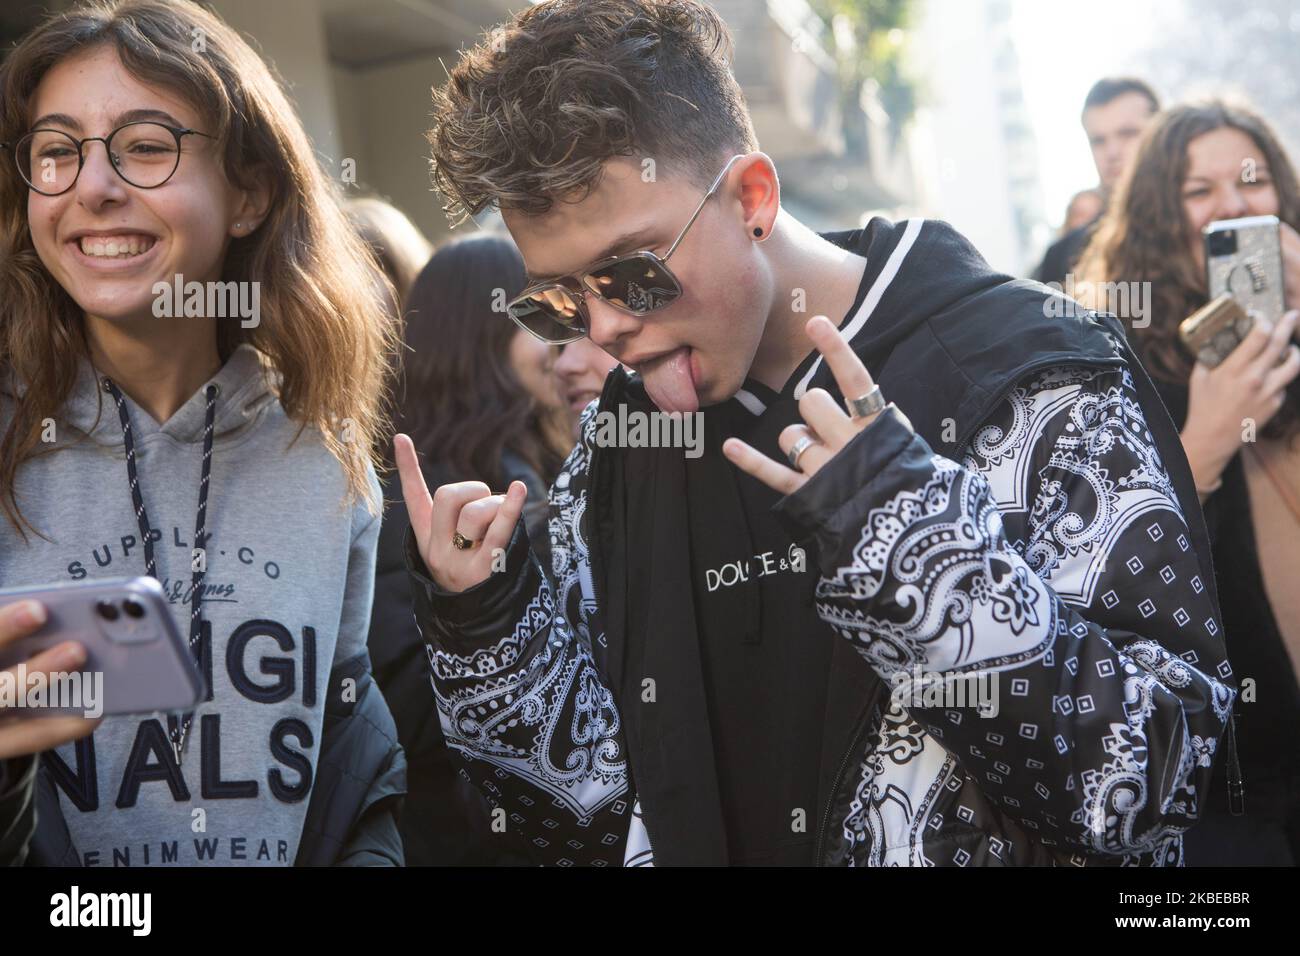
{"x": 290, "y": 571}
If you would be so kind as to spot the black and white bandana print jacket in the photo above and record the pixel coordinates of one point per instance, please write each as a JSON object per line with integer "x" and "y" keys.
{"x": 1054, "y": 555}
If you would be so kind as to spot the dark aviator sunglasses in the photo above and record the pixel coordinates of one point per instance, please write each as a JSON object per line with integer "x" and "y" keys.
{"x": 555, "y": 310}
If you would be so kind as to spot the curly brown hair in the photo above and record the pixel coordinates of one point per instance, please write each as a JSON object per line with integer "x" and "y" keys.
{"x": 1145, "y": 235}
{"x": 531, "y": 113}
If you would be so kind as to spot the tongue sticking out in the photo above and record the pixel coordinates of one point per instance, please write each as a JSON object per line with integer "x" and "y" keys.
{"x": 669, "y": 383}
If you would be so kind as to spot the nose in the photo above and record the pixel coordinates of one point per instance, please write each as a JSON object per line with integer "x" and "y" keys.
{"x": 610, "y": 326}
{"x": 566, "y": 363}
{"x": 1232, "y": 204}
{"x": 98, "y": 183}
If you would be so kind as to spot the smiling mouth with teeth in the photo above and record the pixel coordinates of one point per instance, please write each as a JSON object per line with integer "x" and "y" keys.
{"x": 116, "y": 247}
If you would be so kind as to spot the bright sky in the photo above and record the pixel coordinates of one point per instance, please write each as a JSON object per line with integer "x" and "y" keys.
{"x": 1064, "y": 47}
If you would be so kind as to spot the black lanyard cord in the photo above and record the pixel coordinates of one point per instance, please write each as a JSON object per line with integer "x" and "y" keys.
{"x": 177, "y": 730}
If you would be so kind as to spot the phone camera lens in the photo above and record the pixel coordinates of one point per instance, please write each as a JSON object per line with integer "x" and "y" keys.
{"x": 133, "y": 608}
{"x": 1223, "y": 243}
{"x": 107, "y": 610}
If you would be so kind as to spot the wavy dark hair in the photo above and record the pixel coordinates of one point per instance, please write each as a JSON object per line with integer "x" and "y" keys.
{"x": 1145, "y": 236}
{"x": 531, "y": 114}
{"x": 461, "y": 402}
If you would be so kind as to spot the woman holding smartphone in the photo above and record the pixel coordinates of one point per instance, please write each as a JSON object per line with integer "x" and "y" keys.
{"x": 1241, "y": 431}
{"x": 192, "y": 362}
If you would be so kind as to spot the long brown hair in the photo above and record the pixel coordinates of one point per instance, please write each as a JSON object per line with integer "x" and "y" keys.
{"x": 1145, "y": 235}
{"x": 324, "y": 329}
{"x": 462, "y": 403}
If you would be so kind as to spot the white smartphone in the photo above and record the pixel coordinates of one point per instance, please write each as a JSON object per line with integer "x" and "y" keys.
{"x": 1243, "y": 258}
{"x": 130, "y": 638}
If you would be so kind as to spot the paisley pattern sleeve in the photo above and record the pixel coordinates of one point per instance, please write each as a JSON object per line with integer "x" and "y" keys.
{"x": 1054, "y": 563}
{"x": 519, "y": 695}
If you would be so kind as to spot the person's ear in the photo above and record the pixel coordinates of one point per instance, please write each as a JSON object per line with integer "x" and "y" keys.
{"x": 760, "y": 194}
{"x": 251, "y": 206}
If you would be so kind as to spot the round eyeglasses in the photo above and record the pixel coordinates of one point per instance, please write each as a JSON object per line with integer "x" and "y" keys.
{"x": 144, "y": 154}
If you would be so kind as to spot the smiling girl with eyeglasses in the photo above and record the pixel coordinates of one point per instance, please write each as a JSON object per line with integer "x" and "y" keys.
{"x": 146, "y": 144}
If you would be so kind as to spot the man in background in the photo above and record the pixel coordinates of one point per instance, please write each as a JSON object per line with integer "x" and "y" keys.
{"x": 1115, "y": 112}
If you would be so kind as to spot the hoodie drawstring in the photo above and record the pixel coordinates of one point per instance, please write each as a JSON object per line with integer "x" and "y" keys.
{"x": 177, "y": 730}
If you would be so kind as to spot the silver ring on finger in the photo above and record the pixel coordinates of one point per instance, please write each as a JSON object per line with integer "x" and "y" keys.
{"x": 867, "y": 405}
{"x": 798, "y": 448}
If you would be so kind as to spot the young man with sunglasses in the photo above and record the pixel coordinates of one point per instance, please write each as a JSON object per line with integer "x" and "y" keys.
{"x": 911, "y": 477}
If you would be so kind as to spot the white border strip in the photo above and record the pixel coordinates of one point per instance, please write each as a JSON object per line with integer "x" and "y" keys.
{"x": 874, "y": 295}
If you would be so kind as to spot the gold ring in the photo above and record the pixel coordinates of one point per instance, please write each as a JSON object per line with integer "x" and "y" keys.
{"x": 460, "y": 542}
